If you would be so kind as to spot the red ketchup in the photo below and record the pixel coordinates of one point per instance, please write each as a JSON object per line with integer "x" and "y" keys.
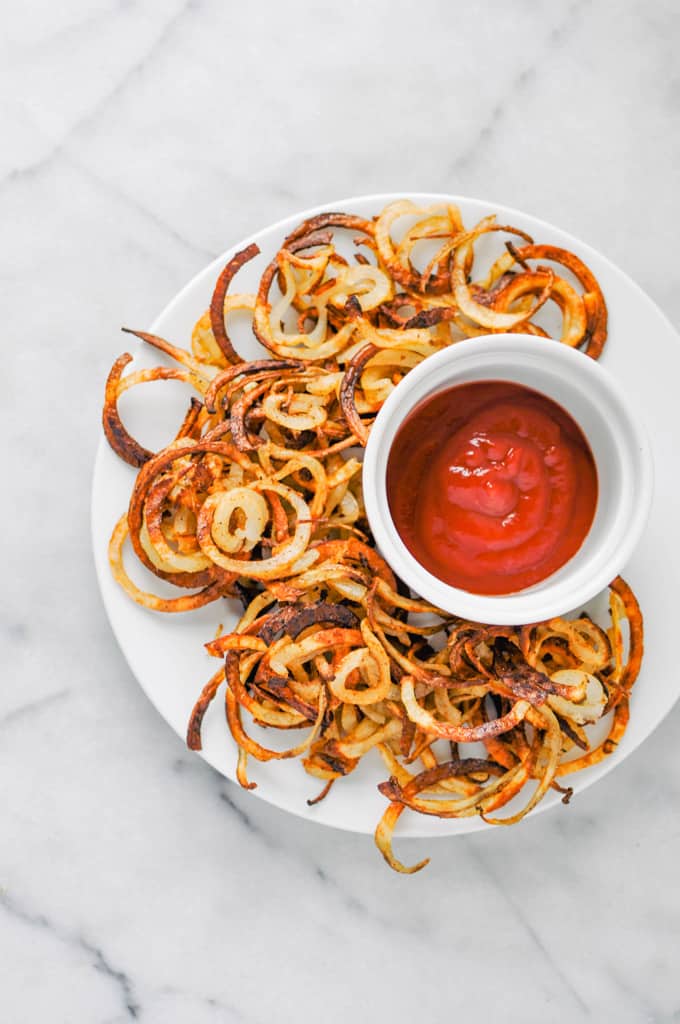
{"x": 492, "y": 486}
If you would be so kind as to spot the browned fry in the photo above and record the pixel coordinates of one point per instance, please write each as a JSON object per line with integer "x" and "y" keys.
{"x": 190, "y": 426}
{"x": 635, "y": 622}
{"x": 349, "y": 383}
{"x": 312, "y": 227}
{"x": 121, "y": 441}
{"x": 245, "y": 370}
{"x": 593, "y": 297}
{"x": 180, "y": 355}
{"x": 322, "y": 795}
{"x": 200, "y": 707}
{"x": 217, "y": 320}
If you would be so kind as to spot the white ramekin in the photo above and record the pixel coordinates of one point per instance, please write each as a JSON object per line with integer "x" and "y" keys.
{"x": 619, "y": 444}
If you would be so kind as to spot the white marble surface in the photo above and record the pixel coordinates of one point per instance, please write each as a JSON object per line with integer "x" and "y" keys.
{"x": 139, "y": 140}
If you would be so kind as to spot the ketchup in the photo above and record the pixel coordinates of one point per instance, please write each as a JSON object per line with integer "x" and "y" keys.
{"x": 492, "y": 486}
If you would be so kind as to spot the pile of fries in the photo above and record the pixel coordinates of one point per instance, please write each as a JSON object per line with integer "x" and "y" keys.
{"x": 258, "y": 497}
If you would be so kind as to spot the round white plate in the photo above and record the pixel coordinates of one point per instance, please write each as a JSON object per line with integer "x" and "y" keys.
{"x": 165, "y": 652}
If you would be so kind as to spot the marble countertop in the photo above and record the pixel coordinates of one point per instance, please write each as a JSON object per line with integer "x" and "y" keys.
{"x": 140, "y": 139}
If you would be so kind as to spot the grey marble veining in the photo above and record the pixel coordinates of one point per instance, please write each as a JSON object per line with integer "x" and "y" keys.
{"x": 139, "y": 140}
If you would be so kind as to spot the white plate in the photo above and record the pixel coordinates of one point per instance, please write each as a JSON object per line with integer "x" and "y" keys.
{"x": 165, "y": 652}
